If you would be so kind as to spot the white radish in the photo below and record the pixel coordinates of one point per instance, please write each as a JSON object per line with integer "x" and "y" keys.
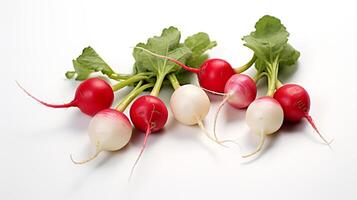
{"x": 190, "y": 105}
{"x": 264, "y": 116}
{"x": 109, "y": 130}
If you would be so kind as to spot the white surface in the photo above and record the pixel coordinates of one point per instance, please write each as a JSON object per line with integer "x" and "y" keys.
{"x": 38, "y": 39}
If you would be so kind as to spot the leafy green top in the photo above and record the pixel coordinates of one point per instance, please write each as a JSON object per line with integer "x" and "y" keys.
{"x": 270, "y": 44}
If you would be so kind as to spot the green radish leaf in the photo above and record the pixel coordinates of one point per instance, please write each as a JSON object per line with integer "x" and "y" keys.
{"x": 88, "y": 62}
{"x": 168, "y": 44}
{"x": 268, "y": 40}
{"x": 198, "y": 43}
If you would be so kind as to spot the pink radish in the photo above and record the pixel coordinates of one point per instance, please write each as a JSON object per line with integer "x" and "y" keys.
{"x": 92, "y": 96}
{"x": 240, "y": 90}
{"x": 295, "y": 102}
{"x": 109, "y": 130}
{"x": 264, "y": 116}
{"x": 148, "y": 114}
{"x": 213, "y": 73}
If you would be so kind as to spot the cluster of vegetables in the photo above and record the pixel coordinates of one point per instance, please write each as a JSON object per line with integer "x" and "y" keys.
{"x": 164, "y": 60}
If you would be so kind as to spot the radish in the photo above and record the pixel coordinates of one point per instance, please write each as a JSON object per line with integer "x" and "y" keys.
{"x": 213, "y": 73}
{"x": 109, "y": 130}
{"x": 264, "y": 116}
{"x": 295, "y": 102}
{"x": 92, "y": 96}
{"x": 240, "y": 90}
{"x": 148, "y": 114}
{"x": 270, "y": 44}
{"x": 190, "y": 105}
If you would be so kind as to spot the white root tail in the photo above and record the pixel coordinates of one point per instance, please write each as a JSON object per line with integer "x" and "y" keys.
{"x": 216, "y": 116}
{"x": 200, "y": 124}
{"x": 259, "y": 147}
{"x": 97, "y": 152}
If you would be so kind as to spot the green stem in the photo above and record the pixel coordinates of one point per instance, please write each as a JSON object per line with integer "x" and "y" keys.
{"x": 246, "y": 66}
{"x": 118, "y": 77}
{"x": 259, "y": 76}
{"x": 272, "y": 70}
{"x": 278, "y": 83}
{"x": 134, "y": 93}
{"x": 174, "y": 82}
{"x": 128, "y": 81}
{"x": 159, "y": 79}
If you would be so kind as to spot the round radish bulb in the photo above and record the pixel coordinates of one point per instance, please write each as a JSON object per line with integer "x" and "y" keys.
{"x": 264, "y": 116}
{"x": 189, "y": 104}
{"x": 148, "y": 112}
{"x": 295, "y": 102}
{"x": 241, "y": 90}
{"x": 214, "y": 73}
{"x": 109, "y": 130}
{"x": 92, "y": 96}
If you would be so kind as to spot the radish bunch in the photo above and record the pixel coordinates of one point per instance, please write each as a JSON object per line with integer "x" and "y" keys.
{"x": 165, "y": 60}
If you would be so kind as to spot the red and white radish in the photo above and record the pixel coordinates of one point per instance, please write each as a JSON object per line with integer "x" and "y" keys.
{"x": 92, "y": 96}
{"x": 264, "y": 116}
{"x": 240, "y": 90}
{"x": 295, "y": 102}
{"x": 148, "y": 114}
{"x": 109, "y": 130}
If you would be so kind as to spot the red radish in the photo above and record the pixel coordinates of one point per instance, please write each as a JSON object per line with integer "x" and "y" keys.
{"x": 148, "y": 114}
{"x": 109, "y": 130}
{"x": 212, "y": 75}
{"x": 295, "y": 102}
{"x": 92, "y": 96}
{"x": 240, "y": 90}
{"x": 264, "y": 116}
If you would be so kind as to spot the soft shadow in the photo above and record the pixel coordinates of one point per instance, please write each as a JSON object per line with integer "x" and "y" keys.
{"x": 233, "y": 114}
{"x": 77, "y": 121}
{"x": 196, "y": 135}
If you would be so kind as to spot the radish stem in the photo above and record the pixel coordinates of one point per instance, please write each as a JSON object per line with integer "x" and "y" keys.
{"x": 134, "y": 93}
{"x": 246, "y": 66}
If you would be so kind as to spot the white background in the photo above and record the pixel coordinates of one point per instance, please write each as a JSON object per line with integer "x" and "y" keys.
{"x": 38, "y": 40}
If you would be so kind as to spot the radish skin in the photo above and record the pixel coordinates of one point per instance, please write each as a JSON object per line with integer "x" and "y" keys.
{"x": 92, "y": 96}
{"x": 148, "y": 114}
{"x": 240, "y": 90}
{"x": 109, "y": 130}
{"x": 189, "y": 104}
{"x": 295, "y": 102}
{"x": 264, "y": 116}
